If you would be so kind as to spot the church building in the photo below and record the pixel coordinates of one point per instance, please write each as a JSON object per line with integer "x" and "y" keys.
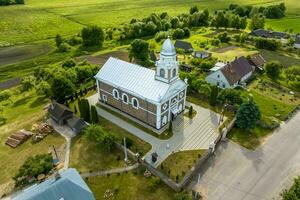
{"x": 152, "y": 96}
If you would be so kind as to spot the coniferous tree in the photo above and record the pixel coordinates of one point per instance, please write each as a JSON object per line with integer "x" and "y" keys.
{"x": 94, "y": 115}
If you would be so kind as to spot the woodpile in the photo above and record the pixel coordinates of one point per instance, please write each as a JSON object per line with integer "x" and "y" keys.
{"x": 42, "y": 131}
{"x": 18, "y": 138}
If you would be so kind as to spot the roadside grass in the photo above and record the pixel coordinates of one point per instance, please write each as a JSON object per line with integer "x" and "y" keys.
{"x": 178, "y": 164}
{"x": 129, "y": 186}
{"x": 283, "y": 57}
{"x": 87, "y": 156}
{"x": 21, "y": 112}
{"x": 163, "y": 136}
{"x": 249, "y": 139}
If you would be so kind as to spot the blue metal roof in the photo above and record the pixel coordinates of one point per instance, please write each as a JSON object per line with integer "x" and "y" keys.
{"x": 70, "y": 186}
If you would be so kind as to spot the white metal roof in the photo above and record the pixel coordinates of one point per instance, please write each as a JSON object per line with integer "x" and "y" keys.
{"x": 218, "y": 65}
{"x": 137, "y": 80}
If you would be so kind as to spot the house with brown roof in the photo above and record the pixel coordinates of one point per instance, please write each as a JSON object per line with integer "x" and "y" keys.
{"x": 257, "y": 61}
{"x": 232, "y": 74}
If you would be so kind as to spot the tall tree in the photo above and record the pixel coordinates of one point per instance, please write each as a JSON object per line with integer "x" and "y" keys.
{"x": 247, "y": 115}
{"x": 92, "y": 36}
{"x": 194, "y": 9}
{"x": 61, "y": 87}
{"x": 257, "y": 22}
{"x": 84, "y": 109}
{"x": 213, "y": 95}
{"x": 139, "y": 50}
{"x": 94, "y": 115}
{"x": 273, "y": 69}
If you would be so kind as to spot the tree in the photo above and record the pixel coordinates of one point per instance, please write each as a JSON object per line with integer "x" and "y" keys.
{"x": 4, "y": 95}
{"x": 20, "y": 1}
{"x": 247, "y": 115}
{"x": 92, "y": 36}
{"x": 213, "y": 95}
{"x": 83, "y": 73}
{"x": 96, "y": 134}
{"x": 61, "y": 87}
{"x": 194, "y": 9}
{"x": 292, "y": 75}
{"x": 178, "y": 34}
{"x": 58, "y": 40}
{"x": 231, "y": 96}
{"x": 32, "y": 167}
{"x": 139, "y": 50}
{"x": 27, "y": 83}
{"x": 94, "y": 115}
{"x": 69, "y": 63}
{"x": 257, "y": 22}
{"x": 273, "y": 69}
{"x": 43, "y": 88}
{"x": 223, "y": 37}
{"x": 269, "y": 44}
{"x": 84, "y": 109}
{"x": 64, "y": 47}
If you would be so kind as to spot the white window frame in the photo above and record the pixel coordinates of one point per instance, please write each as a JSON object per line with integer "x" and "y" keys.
{"x": 104, "y": 97}
{"x": 137, "y": 103}
{"x": 126, "y": 98}
{"x": 117, "y": 92}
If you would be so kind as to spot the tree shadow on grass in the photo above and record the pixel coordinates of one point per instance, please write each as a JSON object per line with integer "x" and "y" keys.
{"x": 21, "y": 101}
{"x": 38, "y": 102}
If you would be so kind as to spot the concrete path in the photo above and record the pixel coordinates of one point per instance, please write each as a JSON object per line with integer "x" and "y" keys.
{"x": 188, "y": 134}
{"x": 67, "y": 133}
{"x": 110, "y": 171}
{"x": 236, "y": 173}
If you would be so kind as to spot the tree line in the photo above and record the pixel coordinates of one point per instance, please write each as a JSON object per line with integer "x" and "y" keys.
{"x": 11, "y": 2}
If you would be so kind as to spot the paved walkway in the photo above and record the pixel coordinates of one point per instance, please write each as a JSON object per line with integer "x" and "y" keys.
{"x": 110, "y": 171}
{"x": 188, "y": 134}
{"x": 236, "y": 173}
{"x": 67, "y": 133}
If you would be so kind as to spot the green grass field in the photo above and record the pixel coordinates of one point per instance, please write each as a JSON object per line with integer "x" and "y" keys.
{"x": 129, "y": 186}
{"x": 42, "y": 19}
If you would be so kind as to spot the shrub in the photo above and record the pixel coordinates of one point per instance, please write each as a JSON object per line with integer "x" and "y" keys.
{"x": 64, "y": 47}
{"x": 69, "y": 63}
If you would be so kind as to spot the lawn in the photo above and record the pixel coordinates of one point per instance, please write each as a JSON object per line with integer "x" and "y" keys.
{"x": 129, "y": 186}
{"x": 178, "y": 164}
{"x": 42, "y": 19}
{"x": 249, "y": 139}
{"x": 21, "y": 112}
{"x": 83, "y": 151}
{"x": 232, "y": 53}
{"x": 285, "y": 24}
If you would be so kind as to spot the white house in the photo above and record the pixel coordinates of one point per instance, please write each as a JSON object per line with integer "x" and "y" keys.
{"x": 230, "y": 75}
{"x": 154, "y": 97}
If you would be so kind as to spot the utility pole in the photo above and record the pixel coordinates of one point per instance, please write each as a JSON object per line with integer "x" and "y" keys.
{"x": 125, "y": 151}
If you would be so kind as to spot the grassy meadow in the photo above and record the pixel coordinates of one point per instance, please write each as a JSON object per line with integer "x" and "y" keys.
{"x": 41, "y": 19}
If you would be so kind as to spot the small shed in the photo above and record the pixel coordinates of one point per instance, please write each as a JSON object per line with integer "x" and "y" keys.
{"x": 185, "y": 46}
{"x": 59, "y": 113}
{"x": 76, "y": 124}
{"x": 202, "y": 54}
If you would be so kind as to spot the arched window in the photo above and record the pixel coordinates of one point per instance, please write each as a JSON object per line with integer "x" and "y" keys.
{"x": 116, "y": 94}
{"x": 162, "y": 73}
{"x": 135, "y": 103}
{"x": 125, "y": 98}
{"x": 174, "y": 73}
{"x": 164, "y": 120}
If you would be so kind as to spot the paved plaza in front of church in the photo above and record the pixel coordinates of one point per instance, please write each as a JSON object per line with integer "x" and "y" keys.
{"x": 188, "y": 134}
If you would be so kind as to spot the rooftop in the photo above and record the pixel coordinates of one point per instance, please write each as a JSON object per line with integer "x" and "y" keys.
{"x": 70, "y": 185}
{"x": 168, "y": 48}
{"x": 136, "y": 80}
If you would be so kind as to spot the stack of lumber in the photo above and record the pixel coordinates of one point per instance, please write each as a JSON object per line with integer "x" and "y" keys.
{"x": 18, "y": 138}
{"x": 42, "y": 131}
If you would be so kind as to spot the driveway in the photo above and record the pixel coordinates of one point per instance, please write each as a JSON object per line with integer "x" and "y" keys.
{"x": 236, "y": 173}
{"x": 188, "y": 134}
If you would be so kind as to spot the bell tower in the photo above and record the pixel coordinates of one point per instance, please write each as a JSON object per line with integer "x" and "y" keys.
{"x": 167, "y": 65}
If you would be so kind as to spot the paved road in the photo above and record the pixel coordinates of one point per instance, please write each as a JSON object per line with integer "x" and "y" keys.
{"x": 236, "y": 173}
{"x": 188, "y": 134}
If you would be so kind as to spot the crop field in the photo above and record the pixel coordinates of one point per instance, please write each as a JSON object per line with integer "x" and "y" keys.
{"x": 42, "y": 19}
